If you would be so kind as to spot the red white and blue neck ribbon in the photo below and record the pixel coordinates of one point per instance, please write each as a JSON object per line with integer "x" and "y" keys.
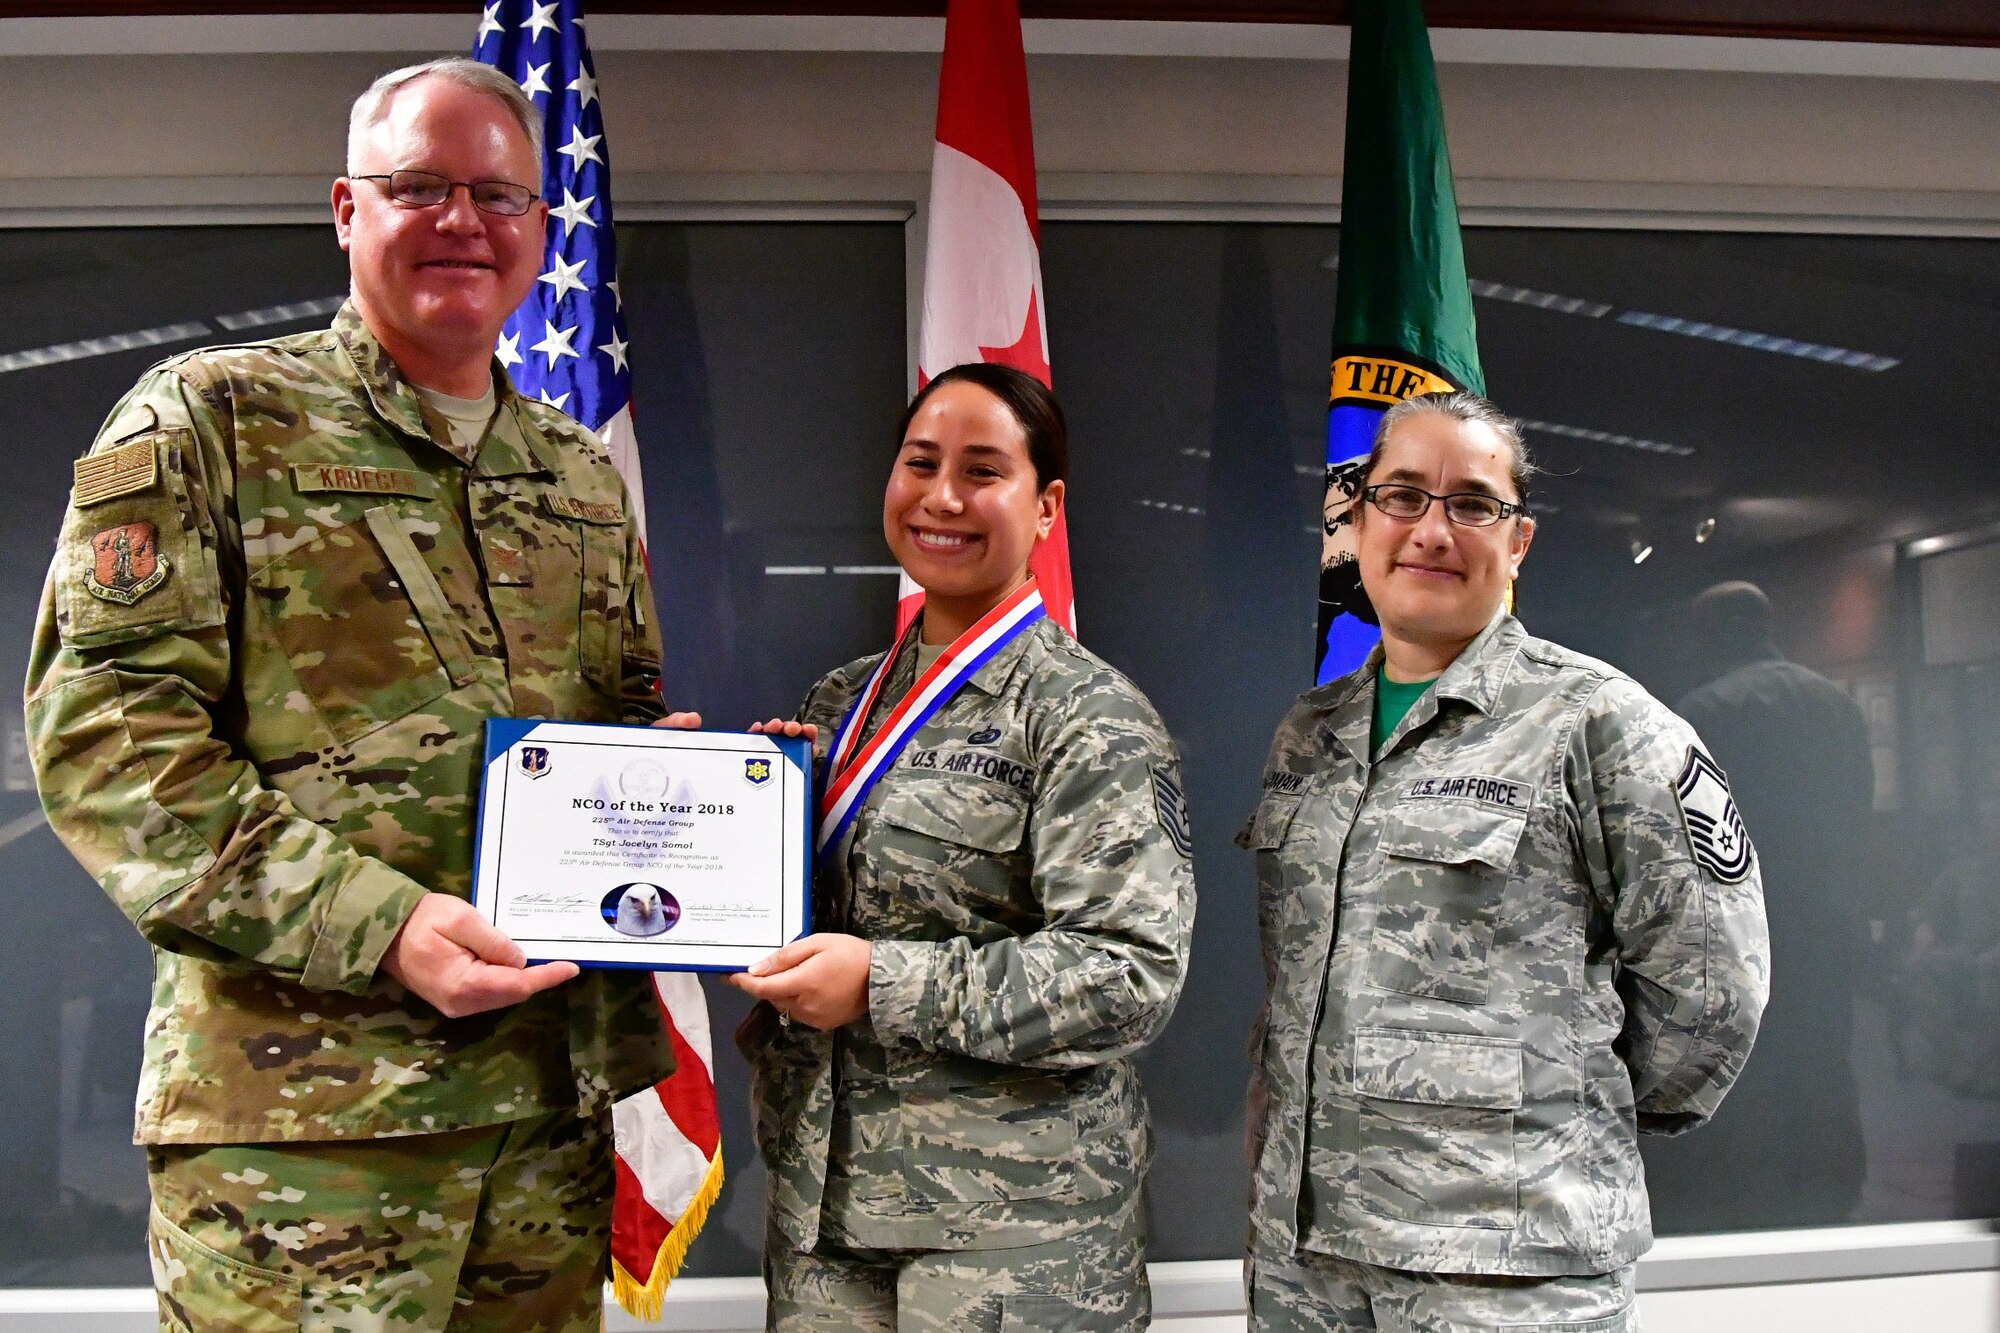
{"x": 853, "y": 769}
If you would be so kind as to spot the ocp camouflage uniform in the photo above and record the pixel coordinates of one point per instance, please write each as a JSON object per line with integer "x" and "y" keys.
{"x": 281, "y": 608}
{"x": 969, "y": 1155}
{"x": 1494, "y": 955}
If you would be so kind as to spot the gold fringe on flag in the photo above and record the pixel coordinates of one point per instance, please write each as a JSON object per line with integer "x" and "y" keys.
{"x": 643, "y": 1300}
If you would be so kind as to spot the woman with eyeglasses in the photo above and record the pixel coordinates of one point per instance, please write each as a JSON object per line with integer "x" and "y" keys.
{"x": 1510, "y": 920}
{"x": 1003, "y": 906}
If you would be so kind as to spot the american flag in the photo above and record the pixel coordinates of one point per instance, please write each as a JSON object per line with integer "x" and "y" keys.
{"x": 566, "y": 346}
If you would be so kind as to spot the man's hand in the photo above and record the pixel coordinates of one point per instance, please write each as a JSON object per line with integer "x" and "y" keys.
{"x": 779, "y": 726}
{"x": 681, "y": 721}
{"x": 821, "y": 980}
{"x": 450, "y": 955}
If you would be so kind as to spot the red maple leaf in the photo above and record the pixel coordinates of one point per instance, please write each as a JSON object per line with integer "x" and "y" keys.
{"x": 1027, "y": 353}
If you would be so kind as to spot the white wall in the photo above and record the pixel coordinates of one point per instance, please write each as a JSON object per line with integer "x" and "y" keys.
{"x": 1626, "y": 122}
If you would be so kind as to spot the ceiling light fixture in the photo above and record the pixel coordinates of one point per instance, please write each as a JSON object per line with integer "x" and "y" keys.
{"x": 1640, "y": 550}
{"x": 1704, "y": 530}
{"x": 1607, "y": 437}
{"x": 1758, "y": 342}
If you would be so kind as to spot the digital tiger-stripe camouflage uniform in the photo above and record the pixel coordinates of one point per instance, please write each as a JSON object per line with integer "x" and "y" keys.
{"x": 969, "y": 1154}
{"x": 1494, "y": 954}
{"x": 284, "y": 601}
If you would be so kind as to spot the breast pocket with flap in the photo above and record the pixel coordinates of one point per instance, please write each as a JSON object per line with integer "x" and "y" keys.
{"x": 1444, "y": 875}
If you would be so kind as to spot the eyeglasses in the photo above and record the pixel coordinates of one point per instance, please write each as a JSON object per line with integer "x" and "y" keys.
{"x": 427, "y": 189}
{"x": 1468, "y": 509}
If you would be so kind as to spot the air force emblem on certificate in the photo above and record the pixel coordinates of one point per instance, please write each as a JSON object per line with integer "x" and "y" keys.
{"x": 1715, "y": 830}
{"x": 535, "y": 761}
{"x": 756, "y": 772}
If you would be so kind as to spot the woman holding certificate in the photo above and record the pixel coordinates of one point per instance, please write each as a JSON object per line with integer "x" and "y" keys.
{"x": 1004, "y": 901}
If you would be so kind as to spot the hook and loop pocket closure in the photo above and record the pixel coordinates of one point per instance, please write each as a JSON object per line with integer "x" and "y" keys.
{"x": 1444, "y": 872}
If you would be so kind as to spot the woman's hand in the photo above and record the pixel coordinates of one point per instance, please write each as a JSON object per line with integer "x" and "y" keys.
{"x": 779, "y": 726}
{"x": 821, "y": 980}
{"x": 681, "y": 721}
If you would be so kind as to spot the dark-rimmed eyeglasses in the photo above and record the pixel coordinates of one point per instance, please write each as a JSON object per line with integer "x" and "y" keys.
{"x": 1468, "y": 509}
{"x": 426, "y": 189}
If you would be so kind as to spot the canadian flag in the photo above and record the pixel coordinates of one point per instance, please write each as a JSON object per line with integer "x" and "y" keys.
{"x": 982, "y": 259}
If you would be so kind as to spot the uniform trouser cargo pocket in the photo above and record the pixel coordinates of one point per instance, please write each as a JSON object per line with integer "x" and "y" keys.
{"x": 201, "y": 1291}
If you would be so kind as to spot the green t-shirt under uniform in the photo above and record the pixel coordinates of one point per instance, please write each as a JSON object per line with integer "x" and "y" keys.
{"x": 1393, "y": 699}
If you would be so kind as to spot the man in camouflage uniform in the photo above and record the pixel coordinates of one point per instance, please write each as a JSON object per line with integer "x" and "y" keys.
{"x": 969, "y": 1153}
{"x": 294, "y": 580}
{"x": 1502, "y": 937}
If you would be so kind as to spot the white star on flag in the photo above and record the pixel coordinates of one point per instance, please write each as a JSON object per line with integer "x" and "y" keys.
{"x": 581, "y": 147}
{"x": 509, "y": 350}
{"x": 555, "y": 343}
{"x": 616, "y": 295}
{"x": 667, "y": 1137}
{"x": 615, "y": 349}
{"x": 563, "y": 277}
{"x": 574, "y": 211}
{"x": 544, "y": 18}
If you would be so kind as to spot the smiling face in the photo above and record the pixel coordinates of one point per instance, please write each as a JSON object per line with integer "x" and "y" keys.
{"x": 436, "y": 284}
{"x": 964, "y": 508}
{"x": 1433, "y": 582}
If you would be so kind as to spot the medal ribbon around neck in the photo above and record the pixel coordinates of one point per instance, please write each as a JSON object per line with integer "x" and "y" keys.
{"x": 854, "y": 769}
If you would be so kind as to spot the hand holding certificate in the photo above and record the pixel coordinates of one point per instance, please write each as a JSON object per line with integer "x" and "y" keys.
{"x": 617, "y": 846}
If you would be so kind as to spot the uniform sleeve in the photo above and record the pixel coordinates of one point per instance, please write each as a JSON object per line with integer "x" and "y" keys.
{"x": 639, "y": 683}
{"x": 1113, "y": 873}
{"x": 130, "y": 665}
{"x": 1690, "y": 941}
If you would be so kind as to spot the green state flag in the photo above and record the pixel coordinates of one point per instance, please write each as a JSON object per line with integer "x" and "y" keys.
{"x": 1402, "y": 321}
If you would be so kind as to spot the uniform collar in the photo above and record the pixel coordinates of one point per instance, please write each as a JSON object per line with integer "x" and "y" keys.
{"x": 1478, "y": 673}
{"x": 1475, "y": 677}
{"x": 1350, "y": 708}
{"x": 514, "y": 445}
{"x": 991, "y": 679}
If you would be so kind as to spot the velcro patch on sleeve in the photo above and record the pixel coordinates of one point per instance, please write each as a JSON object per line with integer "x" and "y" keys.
{"x": 1171, "y": 804}
{"x": 315, "y": 477}
{"x": 125, "y": 563}
{"x": 1720, "y": 843}
{"x": 126, "y": 470}
{"x": 588, "y": 511}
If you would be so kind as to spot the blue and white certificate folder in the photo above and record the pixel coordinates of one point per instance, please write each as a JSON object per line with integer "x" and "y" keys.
{"x": 648, "y": 847}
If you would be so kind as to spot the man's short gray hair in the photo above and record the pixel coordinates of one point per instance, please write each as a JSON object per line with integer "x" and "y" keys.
{"x": 1459, "y": 405}
{"x": 372, "y": 105}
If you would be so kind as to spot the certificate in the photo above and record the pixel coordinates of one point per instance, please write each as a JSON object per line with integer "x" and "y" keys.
{"x": 620, "y": 846}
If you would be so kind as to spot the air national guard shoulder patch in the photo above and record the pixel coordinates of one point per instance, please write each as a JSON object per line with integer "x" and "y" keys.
{"x": 125, "y": 563}
{"x": 1171, "y": 803}
{"x": 1715, "y": 830}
